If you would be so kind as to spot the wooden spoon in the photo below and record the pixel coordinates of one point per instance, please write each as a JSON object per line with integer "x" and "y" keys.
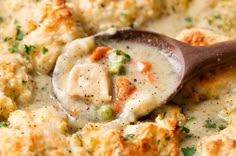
{"x": 187, "y": 60}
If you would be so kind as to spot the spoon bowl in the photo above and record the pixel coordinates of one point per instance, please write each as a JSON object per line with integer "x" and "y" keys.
{"x": 187, "y": 60}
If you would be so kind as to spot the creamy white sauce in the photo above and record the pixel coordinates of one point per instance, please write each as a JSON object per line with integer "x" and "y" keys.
{"x": 150, "y": 95}
{"x": 200, "y": 113}
{"x": 170, "y": 25}
{"x": 43, "y": 95}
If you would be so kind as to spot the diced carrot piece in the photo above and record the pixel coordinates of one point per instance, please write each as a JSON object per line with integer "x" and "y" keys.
{"x": 117, "y": 107}
{"x": 143, "y": 66}
{"x": 99, "y": 53}
{"x": 124, "y": 88}
{"x": 74, "y": 112}
{"x": 150, "y": 77}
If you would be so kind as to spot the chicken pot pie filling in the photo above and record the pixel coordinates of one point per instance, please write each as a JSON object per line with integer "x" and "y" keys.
{"x": 33, "y": 34}
{"x": 112, "y": 80}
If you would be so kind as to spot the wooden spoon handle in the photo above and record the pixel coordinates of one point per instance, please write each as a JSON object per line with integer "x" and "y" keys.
{"x": 202, "y": 58}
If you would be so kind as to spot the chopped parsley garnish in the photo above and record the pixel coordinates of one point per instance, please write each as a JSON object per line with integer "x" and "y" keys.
{"x": 210, "y": 124}
{"x": 132, "y": 25}
{"x": 209, "y": 21}
{"x": 189, "y": 119}
{"x": 218, "y": 125}
{"x": 221, "y": 127}
{"x": 132, "y": 123}
{"x": 19, "y": 36}
{"x": 44, "y": 50}
{"x": 173, "y": 8}
{"x": 7, "y": 38}
{"x": 184, "y": 129}
{"x": 29, "y": 49}
{"x": 188, "y": 19}
{"x": 1, "y": 20}
{"x": 217, "y": 17}
{"x": 123, "y": 15}
{"x": 163, "y": 116}
{"x": 125, "y": 56}
{"x": 188, "y": 151}
{"x": 222, "y": 124}
{"x": 24, "y": 82}
{"x": 19, "y": 33}
{"x": 128, "y": 137}
{"x": 14, "y": 48}
{"x": 167, "y": 138}
{"x": 219, "y": 26}
{"x": 15, "y": 21}
{"x": 4, "y": 124}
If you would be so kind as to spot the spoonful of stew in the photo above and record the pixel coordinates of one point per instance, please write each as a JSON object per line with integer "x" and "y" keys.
{"x": 126, "y": 74}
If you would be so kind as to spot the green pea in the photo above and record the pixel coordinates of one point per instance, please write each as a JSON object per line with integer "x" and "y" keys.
{"x": 105, "y": 113}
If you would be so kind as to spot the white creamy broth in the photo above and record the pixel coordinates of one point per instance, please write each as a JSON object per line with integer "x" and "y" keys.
{"x": 86, "y": 86}
{"x": 43, "y": 92}
{"x": 165, "y": 76}
{"x": 199, "y": 114}
{"x": 170, "y": 25}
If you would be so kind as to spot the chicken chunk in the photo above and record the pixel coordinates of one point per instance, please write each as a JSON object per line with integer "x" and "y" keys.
{"x": 139, "y": 106}
{"x": 89, "y": 81}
